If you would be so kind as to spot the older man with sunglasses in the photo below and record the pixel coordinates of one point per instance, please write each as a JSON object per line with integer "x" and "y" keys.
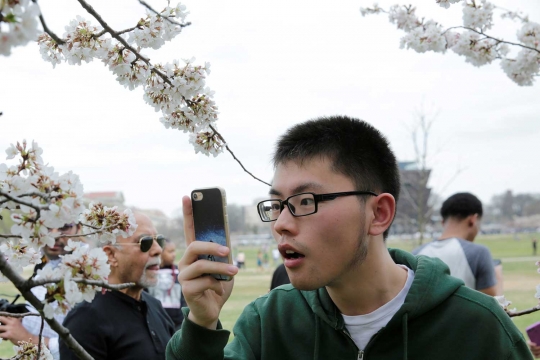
{"x": 125, "y": 324}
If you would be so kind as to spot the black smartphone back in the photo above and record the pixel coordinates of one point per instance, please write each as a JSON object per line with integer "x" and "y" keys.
{"x": 211, "y": 223}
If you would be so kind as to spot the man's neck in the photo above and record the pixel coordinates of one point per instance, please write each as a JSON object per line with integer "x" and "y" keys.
{"x": 370, "y": 285}
{"x": 134, "y": 291}
{"x": 454, "y": 231}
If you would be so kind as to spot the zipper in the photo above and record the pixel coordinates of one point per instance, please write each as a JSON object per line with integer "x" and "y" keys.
{"x": 360, "y": 352}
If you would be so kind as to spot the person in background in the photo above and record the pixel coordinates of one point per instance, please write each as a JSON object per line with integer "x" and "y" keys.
{"x": 29, "y": 327}
{"x": 279, "y": 277}
{"x": 129, "y": 323}
{"x": 168, "y": 289}
{"x": 470, "y": 262}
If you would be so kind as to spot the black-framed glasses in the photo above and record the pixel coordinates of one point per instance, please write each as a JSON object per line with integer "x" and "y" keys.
{"x": 146, "y": 242}
{"x": 302, "y": 204}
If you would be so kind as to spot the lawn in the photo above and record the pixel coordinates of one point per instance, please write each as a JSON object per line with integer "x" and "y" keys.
{"x": 520, "y": 280}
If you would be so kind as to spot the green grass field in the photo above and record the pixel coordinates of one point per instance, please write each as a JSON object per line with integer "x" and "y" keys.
{"x": 520, "y": 280}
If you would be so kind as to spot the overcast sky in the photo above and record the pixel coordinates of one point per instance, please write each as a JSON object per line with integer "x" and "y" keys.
{"x": 274, "y": 64}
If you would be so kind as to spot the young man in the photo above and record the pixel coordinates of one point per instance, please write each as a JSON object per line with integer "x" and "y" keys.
{"x": 333, "y": 198}
{"x": 129, "y": 323}
{"x": 472, "y": 263}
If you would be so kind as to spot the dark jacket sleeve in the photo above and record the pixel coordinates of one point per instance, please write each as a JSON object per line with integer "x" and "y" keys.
{"x": 89, "y": 329}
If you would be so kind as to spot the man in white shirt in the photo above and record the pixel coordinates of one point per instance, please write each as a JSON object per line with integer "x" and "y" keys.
{"x": 472, "y": 263}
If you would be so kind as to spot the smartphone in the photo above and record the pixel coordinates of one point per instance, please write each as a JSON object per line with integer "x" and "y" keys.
{"x": 534, "y": 333}
{"x": 211, "y": 223}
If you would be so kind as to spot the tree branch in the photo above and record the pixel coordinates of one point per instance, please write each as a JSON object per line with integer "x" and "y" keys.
{"x": 46, "y": 28}
{"x": 18, "y": 200}
{"x": 523, "y": 312}
{"x": 235, "y": 158}
{"x": 491, "y": 37}
{"x": 62, "y": 332}
{"x": 40, "y": 282}
{"x": 116, "y": 35}
{"x": 143, "y": 3}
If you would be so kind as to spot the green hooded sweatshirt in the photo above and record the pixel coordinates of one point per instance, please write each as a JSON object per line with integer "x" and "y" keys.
{"x": 440, "y": 319}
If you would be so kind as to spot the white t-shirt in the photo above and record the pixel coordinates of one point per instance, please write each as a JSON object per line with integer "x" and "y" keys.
{"x": 363, "y": 327}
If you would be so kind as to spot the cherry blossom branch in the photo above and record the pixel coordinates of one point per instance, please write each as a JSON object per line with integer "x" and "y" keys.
{"x": 62, "y": 332}
{"x": 40, "y": 337}
{"x": 18, "y": 316}
{"x": 492, "y": 38}
{"x": 235, "y": 158}
{"x": 40, "y": 282}
{"x": 18, "y": 200}
{"x": 115, "y": 35}
{"x": 143, "y": 3}
{"x": 523, "y": 312}
{"x": 120, "y": 39}
{"x": 46, "y": 28}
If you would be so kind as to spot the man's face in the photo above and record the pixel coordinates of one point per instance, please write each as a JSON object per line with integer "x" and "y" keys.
{"x": 329, "y": 245}
{"x": 169, "y": 254}
{"x": 52, "y": 253}
{"x": 133, "y": 264}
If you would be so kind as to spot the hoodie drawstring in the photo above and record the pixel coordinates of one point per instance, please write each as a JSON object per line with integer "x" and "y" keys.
{"x": 317, "y": 335}
{"x": 405, "y": 335}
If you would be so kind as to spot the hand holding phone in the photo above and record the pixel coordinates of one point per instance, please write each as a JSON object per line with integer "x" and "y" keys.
{"x": 205, "y": 306}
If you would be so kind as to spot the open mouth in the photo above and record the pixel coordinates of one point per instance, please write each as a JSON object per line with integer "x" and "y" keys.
{"x": 291, "y": 254}
{"x": 153, "y": 267}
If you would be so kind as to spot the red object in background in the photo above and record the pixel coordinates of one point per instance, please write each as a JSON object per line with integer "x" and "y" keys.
{"x": 534, "y": 333}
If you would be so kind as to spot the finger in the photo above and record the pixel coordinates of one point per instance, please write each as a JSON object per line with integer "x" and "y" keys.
{"x": 198, "y": 286}
{"x": 189, "y": 228}
{"x": 198, "y": 248}
{"x": 203, "y": 267}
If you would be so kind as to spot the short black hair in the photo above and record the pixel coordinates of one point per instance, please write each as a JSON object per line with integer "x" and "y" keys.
{"x": 356, "y": 149}
{"x": 460, "y": 206}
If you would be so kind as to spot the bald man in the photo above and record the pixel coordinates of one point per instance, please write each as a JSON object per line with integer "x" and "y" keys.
{"x": 125, "y": 324}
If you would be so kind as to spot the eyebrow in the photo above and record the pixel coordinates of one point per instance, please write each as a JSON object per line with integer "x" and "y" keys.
{"x": 298, "y": 189}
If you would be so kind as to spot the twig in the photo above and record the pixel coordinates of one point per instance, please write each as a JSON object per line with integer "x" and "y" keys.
{"x": 62, "y": 332}
{"x": 46, "y": 28}
{"x": 33, "y": 283}
{"x": 523, "y": 312}
{"x": 38, "y": 208}
{"x": 491, "y": 37}
{"x": 143, "y": 3}
{"x": 18, "y": 316}
{"x": 39, "y": 338}
{"x": 235, "y": 158}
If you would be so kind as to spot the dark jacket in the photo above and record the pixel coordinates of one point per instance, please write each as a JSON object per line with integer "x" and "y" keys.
{"x": 440, "y": 319}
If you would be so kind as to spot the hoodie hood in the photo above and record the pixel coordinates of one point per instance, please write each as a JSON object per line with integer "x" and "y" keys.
{"x": 431, "y": 286}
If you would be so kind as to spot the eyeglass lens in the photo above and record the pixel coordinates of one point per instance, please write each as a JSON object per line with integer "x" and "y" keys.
{"x": 301, "y": 204}
{"x": 147, "y": 241}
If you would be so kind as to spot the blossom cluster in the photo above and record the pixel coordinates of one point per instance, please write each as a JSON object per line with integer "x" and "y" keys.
{"x": 28, "y": 351}
{"x": 176, "y": 89}
{"x": 18, "y": 24}
{"x": 83, "y": 263}
{"x": 38, "y": 200}
{"x": 471, "y": 42}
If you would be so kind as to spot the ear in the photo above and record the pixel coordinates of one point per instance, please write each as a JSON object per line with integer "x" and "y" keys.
{"x": 384, "y": 209}
{"x": 110, "y": 251}
{"x": 472, "y": 220}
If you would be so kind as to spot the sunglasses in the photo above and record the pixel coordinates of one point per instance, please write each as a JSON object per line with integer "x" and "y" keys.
{"x": 146, "y": 242}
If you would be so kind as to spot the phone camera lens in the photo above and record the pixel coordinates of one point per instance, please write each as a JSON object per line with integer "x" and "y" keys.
{"x": 195, "y": 196}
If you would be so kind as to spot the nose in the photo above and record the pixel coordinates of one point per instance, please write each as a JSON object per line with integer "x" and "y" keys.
{"x": 285, "y": 222}
{"x": 155, "y": 250}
